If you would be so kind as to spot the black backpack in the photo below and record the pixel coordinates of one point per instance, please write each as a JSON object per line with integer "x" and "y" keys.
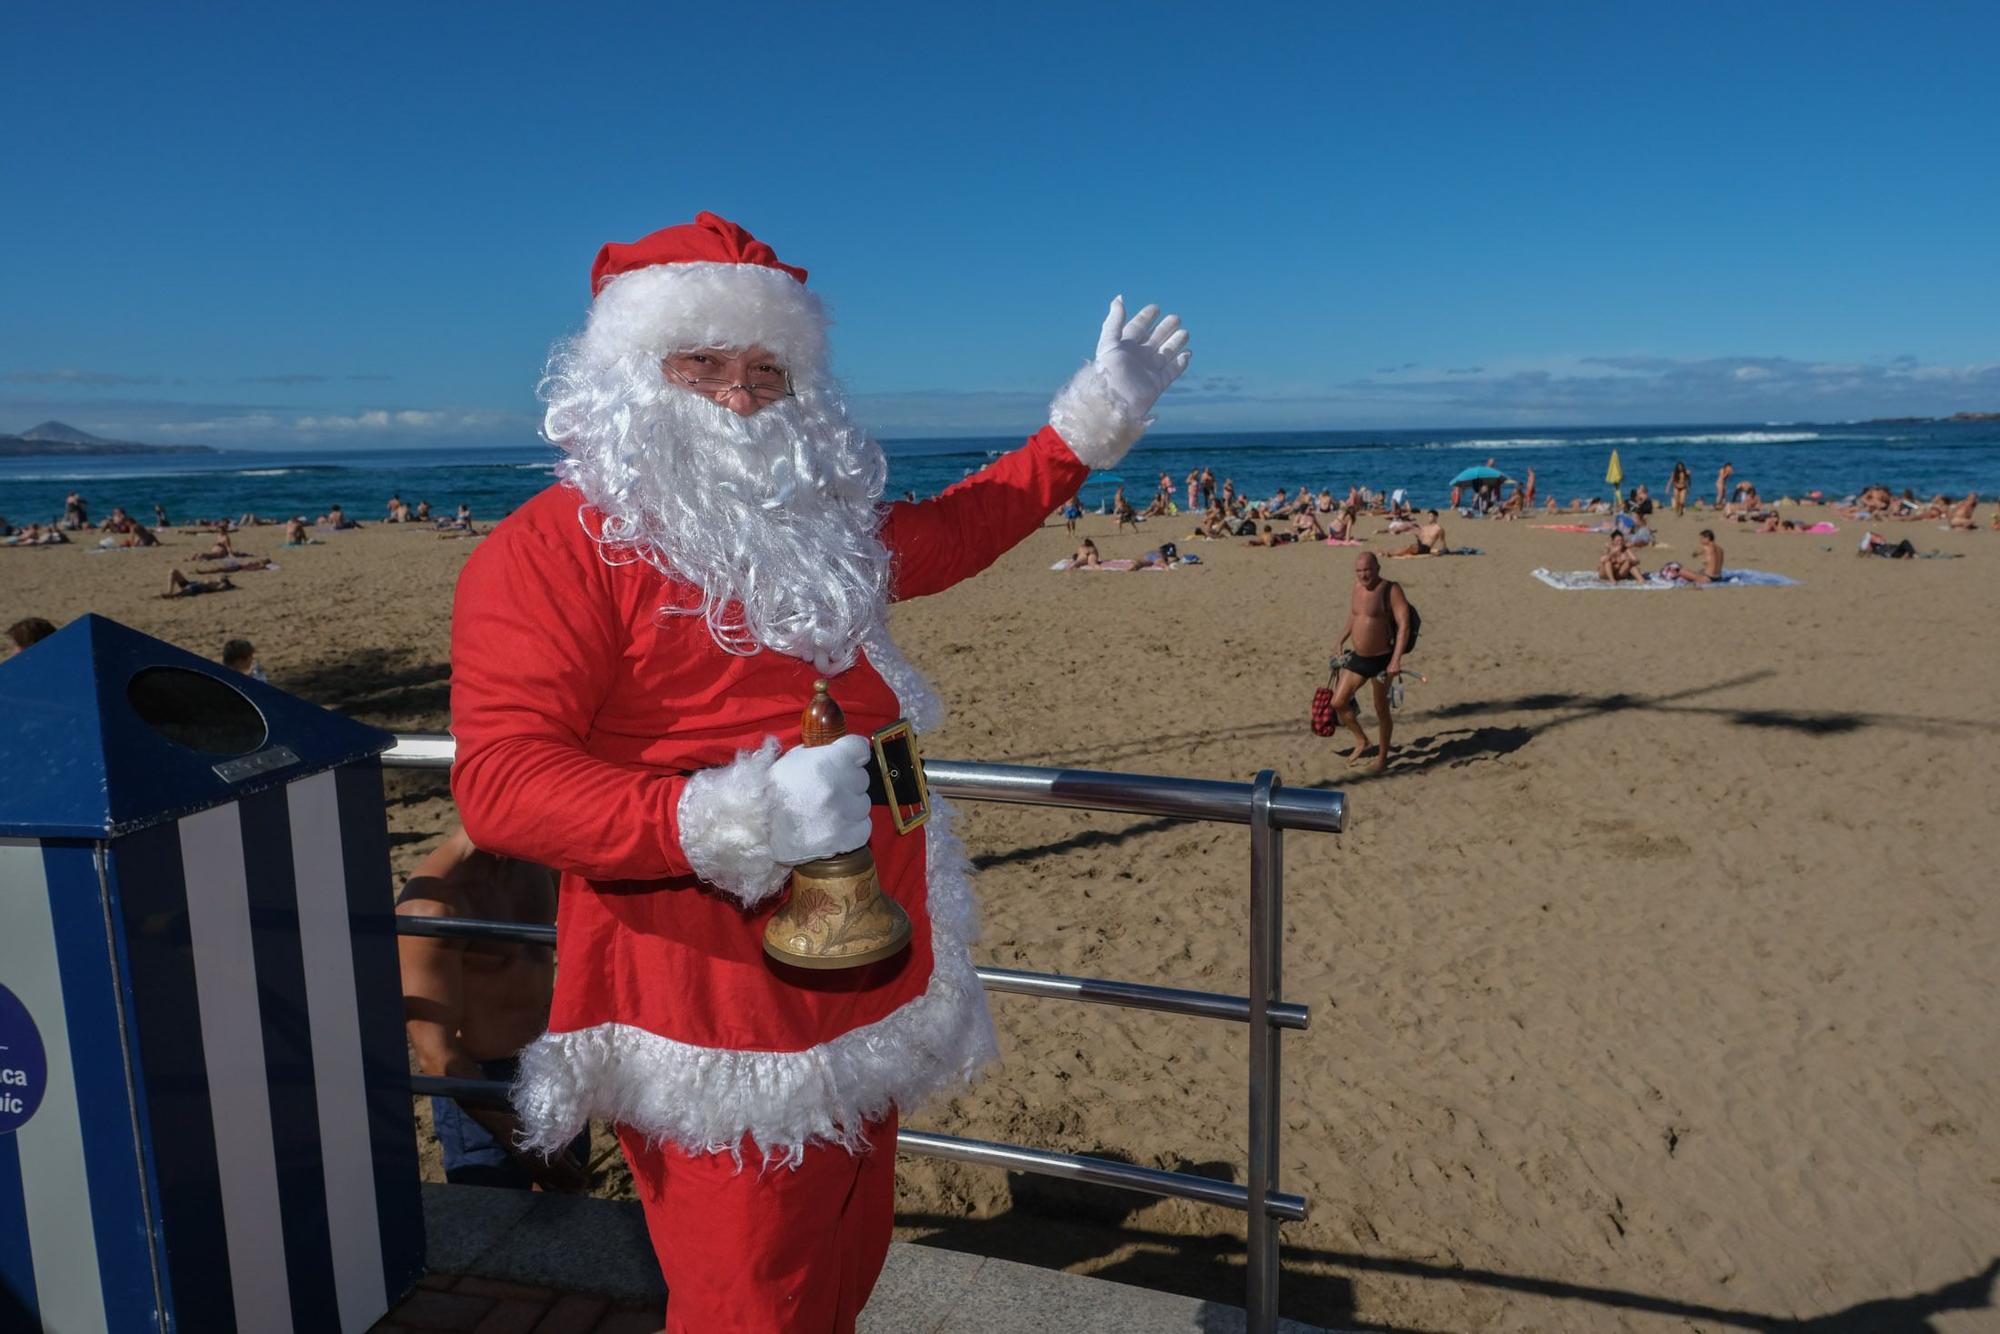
{"x": 1416, "y": 624}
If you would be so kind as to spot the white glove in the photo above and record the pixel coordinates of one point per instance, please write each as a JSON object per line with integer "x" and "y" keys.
{"x": 1138, "y": 366}
{"x": 1103, "y": 411}
{"x": 819, "y": 801}
{"x": 744, "y": 824}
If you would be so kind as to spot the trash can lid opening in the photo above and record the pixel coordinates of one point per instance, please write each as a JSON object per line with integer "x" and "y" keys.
{"x": 196, "y": 710}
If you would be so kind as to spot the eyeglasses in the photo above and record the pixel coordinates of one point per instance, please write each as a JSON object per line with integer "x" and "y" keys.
{"x": 766, "y": 384}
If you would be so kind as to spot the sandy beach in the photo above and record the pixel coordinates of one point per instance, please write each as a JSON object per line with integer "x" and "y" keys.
{"x": 1653, "y": 985}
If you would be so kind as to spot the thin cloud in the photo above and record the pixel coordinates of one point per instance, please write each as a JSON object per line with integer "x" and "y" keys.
{"x": 249, "y": 422}
{"x": 86, "y": 379}
{"x": 250, "y": 425}
{"x": 1579, "y": 391}
{"x": 1606, "y": 388}
{"x": 384, "y": 420}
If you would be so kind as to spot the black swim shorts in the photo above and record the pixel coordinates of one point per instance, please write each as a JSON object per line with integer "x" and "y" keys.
{"x": 1367, "y": 667}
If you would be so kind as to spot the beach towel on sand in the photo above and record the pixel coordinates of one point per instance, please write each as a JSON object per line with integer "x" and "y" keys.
{"x": 1570, "y": 581}
{"x": 1109, "y": 566}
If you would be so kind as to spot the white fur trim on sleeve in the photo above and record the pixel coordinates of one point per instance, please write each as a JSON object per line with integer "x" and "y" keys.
{"x": 725, "y": 825}
{"x": 1097, "y": 425}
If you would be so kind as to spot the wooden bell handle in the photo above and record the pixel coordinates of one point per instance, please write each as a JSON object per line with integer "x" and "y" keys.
{"x": 822, "y": 723}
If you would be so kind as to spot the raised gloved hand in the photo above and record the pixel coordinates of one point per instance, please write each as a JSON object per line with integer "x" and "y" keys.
{"x": 819, "y": 800}
{"x": 1139, "y": 365}
{"x": 1103, "y": 410}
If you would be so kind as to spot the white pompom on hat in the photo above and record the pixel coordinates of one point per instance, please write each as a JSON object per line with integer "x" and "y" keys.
{"x": 708, "y": 283}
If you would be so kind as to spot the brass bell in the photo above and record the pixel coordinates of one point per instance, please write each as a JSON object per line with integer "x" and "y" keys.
{"x": 836, "y": 915}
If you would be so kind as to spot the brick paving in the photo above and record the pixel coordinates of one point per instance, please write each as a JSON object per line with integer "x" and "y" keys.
{"x": 444, "y": 1303}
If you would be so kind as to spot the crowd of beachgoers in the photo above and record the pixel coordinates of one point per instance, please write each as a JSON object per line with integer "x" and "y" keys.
{"x": 1306, "y": 514}
{"x": 1216, "y": 509}
{"x": 218, "y": 557}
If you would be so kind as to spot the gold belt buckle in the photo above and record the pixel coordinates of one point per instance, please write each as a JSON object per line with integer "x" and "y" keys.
{"x": 901, "y": 770}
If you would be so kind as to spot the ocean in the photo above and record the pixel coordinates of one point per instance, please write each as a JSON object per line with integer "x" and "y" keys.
{"x": 1781, "y": 458}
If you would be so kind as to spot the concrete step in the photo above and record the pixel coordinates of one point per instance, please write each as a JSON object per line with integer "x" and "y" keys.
{"x": 577, "y": 1245}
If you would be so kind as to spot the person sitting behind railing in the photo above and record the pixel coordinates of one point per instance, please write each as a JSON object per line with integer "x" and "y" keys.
{"x": 471, "y": 1005}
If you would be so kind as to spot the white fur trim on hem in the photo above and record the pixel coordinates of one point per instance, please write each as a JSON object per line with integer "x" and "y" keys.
{"x": 672, "y": 307}
{"x": 725, "y": 826}
{"x": 708, "y": 1099}
{"x": 1094, "y": 422}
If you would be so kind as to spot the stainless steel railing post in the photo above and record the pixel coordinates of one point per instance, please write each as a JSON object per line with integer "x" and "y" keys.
{"x": 1263, "y": 805}
{"x": 1267, "y": 940}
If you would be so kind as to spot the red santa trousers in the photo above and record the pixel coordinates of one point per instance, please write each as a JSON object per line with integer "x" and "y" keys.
{"x": 767, "y": 1250}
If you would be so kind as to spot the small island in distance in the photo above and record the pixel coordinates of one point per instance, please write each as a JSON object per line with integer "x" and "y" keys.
{"x": 1928, "y": 421}
{"x": 57, "y": 438}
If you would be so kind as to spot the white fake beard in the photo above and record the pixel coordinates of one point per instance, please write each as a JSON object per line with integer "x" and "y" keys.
{"x": 772, "y": 518}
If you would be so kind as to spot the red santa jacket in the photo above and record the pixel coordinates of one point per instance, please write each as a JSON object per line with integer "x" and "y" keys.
{"x": 579, "y": 713}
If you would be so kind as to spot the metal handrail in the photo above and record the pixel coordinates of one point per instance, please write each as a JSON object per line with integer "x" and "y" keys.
{"x": 927, "y": 1144}
{"x": 1311, "y": 809}
{"x": 1130, "y": 995}
{"x": 1264, "y": 805}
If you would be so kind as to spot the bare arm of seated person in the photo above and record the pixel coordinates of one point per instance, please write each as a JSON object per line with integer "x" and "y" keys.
{"x": 465, "y": 1002}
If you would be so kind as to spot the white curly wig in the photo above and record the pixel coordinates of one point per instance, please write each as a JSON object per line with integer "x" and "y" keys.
{"x": 766, "y": 524}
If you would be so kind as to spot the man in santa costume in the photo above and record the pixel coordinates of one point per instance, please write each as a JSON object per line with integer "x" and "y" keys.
{"x": 630, "y": 653}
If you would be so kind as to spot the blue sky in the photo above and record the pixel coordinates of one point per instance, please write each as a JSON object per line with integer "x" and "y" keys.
{"x": 265, "y": 226}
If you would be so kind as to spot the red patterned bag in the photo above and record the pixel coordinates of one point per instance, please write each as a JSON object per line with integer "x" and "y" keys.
{"x": 1323, "y": 722}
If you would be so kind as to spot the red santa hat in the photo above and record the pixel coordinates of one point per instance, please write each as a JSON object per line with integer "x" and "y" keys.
{"x": 708, "y": 283}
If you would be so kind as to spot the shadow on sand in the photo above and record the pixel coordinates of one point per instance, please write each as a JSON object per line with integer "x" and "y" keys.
{"x": 375, "y": 684}
{"x": 1061, "y": 1225}
{"x": 1455, "y": 748}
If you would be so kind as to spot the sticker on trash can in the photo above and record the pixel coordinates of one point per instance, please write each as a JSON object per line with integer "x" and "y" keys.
{"x": 24, "y": 1066}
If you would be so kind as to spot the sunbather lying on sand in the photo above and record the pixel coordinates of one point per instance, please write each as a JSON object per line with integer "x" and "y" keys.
{"x": 35, "y": 535}
{"x": 180, "y": 586}
{"x": 1872, "y": 545}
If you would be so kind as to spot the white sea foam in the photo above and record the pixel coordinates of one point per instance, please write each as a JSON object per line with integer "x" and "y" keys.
{"x": 1524, "y": 442}
{"x": 1598, "y": 441}
{"x": 1738, "y": 438}
{"x": 265, "y": 472}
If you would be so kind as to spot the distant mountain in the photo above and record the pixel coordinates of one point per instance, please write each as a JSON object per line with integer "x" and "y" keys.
{"x": 1927, "y": 421}
{"x": 62, "y": 433}
{"x": 61, "y": 438}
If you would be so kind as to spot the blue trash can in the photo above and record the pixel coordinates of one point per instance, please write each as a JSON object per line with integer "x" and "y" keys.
{"x": 204, "y": 1089}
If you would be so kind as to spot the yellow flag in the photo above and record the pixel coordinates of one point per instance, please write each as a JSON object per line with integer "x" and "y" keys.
{"x": 1614, "y": 474}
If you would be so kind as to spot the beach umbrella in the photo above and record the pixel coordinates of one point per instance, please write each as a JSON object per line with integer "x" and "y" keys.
{"x": 1482, "y": 473}
{"x": 1615, "y": 475}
